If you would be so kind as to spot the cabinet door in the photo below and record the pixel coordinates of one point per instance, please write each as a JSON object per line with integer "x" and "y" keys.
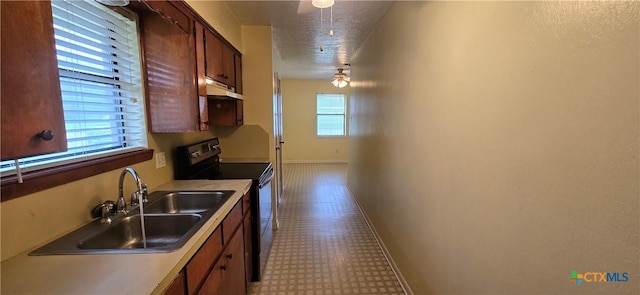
{"x": 213, "y": 49}
{"x": 239, "y": 112}
{"x": 171, "y": 75}
{"x": 248, "y": 258}
{"x": 198, "y": 267}
{"x": 228, "y": 65}
{"x": 177, "y": 287}
{"x": 170, "y": 11}
{"x": 31, "y": 101}
{"x": 228, "y": 274}
{"x": 226, "y": 112}
{"x": 220, "y": 60}
{"x": 238, "y": 68}
{"x": 215, "y": 283}
{"x": 234, "y": 256}
{"x": 203, "y": 102}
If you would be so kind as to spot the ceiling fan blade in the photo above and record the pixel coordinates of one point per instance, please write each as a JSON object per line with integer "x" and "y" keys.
{"x": 305, "y": 6}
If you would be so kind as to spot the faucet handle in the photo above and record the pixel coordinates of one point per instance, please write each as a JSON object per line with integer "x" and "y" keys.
{"x": 106, "y": 212}
{"x": 144, "y": 193}
{"x": 135, "y": 198}
{"x": 97, "y": 210}
{"x": 121, "y": 205}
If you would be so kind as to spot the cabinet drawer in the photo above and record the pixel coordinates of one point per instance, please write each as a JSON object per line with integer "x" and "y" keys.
{"x": 231, "y": 222}
{"x": 201, "y": 262}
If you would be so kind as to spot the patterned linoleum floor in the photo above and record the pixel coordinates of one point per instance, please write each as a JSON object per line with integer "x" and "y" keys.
{"x": 323, "y": 245}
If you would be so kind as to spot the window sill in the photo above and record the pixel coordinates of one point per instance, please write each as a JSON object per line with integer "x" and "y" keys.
{"x": 47, "y": 178}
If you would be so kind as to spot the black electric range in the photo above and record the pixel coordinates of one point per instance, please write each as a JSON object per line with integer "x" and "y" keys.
{"x": 202, "y": 161}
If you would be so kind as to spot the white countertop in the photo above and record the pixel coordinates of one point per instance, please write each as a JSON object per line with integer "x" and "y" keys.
{"x": 115, "y": 273}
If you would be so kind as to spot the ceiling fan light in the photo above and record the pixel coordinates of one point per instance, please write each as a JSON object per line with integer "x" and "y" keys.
{"x": 322, "y": 3}
{"x": 342, "y": 84}
{"x": 335, "y": 82}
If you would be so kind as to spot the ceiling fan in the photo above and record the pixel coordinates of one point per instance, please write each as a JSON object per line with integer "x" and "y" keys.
{"x": 308, "y": 6}
{"x": 340, "y": 79}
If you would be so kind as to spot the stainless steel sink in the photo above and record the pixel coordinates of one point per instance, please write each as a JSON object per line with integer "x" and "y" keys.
{"x": 171, "y": 218}
{"x": 126, "y": 233}
{"x": 187, "y": 201}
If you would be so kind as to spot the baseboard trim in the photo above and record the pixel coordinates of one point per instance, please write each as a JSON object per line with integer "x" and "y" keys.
{"x": 396, "y": 271}
{"x": 315, "y": 162}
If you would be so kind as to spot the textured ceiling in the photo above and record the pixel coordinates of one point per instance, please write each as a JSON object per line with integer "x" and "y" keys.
{"x": 297, "y": 35}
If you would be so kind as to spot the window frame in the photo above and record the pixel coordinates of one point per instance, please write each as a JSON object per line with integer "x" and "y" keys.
{"x": 40, "y": 179}
{"x": 343, "y": 114}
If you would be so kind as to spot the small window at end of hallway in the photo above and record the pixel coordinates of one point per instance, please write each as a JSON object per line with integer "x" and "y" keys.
{"x": 330, "y": 114}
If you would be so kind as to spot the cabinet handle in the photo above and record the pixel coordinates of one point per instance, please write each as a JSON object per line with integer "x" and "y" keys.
{"x": 224, "y": 267}
{"x": 230, "y": 256}
{"x": 46, "y": 135}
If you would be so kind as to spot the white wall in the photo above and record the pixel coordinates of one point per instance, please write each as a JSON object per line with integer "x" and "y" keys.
{"x": 494, "y": 145}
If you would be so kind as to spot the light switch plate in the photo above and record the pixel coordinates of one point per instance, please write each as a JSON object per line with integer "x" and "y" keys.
{"x": 160, "y": 160}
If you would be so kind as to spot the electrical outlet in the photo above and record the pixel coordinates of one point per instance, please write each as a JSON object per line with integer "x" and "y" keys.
{"x": 160, "y": 160}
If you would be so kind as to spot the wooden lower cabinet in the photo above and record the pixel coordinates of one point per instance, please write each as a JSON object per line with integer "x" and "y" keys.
{"x": 198, "y": 268}
{"x": 228, "y": 275}
{"x": 178, "y": 286}
{"x": 248, "y": 255}
{"x": 218, "y": 267}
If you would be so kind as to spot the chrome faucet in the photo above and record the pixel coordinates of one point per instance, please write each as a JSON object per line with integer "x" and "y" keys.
{"x": 141, "y": 193}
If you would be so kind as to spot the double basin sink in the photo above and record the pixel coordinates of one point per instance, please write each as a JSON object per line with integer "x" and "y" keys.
{"x": 171, "y": 218}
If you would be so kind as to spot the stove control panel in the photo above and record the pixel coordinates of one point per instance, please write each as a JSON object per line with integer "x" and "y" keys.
{"x": 201, "y": 151}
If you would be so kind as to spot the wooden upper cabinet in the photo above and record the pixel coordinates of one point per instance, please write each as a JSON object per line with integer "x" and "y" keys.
{"x": 213, "y": 60}
{"x": 175, "y": 14}
{"x": 31, "y": 100}
{"x": 226, "y": 112}
{"x": 238, "y": 68}
{"x": 220, "y": 63}
{"x": 228, "y": 65}
{"x": 181, "y": 51}
{"x": 170, "y": 60}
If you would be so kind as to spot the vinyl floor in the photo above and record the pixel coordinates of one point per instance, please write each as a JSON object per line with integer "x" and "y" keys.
{"x": 323, "y": 245}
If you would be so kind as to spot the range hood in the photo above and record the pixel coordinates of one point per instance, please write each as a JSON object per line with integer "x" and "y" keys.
{"x": 219, "y": 90}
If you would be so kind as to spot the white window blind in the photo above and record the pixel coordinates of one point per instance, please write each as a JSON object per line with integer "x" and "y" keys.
{"x": 99, "y": 65}
{"x": 330, "y": 113}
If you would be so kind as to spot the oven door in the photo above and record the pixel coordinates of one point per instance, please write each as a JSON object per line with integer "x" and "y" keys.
{"x": 266, "y": 216}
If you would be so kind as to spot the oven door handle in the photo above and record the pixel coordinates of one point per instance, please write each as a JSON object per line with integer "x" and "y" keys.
{"x": 267, "y": 180}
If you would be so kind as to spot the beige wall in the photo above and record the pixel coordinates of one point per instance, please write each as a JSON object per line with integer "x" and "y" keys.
{"x": 494, "y": 145}
{"x": 299, "y": 123}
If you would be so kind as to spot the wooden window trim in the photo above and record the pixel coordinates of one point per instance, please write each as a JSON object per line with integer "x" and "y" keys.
{"x": 39, "y": 180}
